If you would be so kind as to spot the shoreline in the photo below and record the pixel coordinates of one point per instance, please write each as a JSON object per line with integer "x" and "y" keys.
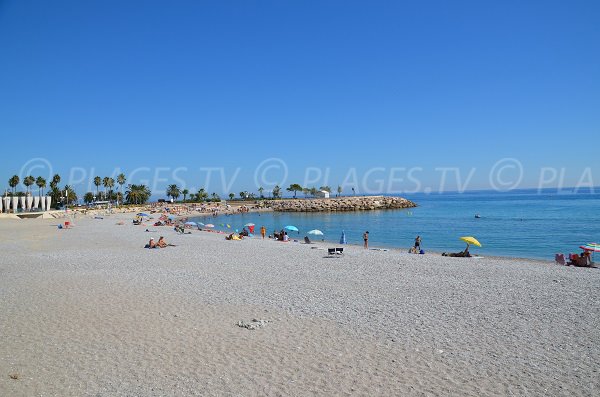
{"x": 187, "y": 211}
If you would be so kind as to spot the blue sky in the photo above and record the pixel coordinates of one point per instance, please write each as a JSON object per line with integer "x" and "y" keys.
{"x": 164, "y": 91}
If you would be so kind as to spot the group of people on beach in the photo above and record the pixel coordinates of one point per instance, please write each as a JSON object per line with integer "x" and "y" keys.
{"x": 161, "y": 243}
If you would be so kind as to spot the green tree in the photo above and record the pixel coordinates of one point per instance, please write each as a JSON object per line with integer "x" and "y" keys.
{"x": 294, "y": 187}
{"x": 276, "y": 191}
{"x": 173, "y": 191}
{"x": 339, "y": 190}
{"x": 137, "y": 194}
{"x": 201, "y": 195}
{"x": 121, "y": 181}
{"x": 28, "y": 181}
{"x": 244, "y": 195}
{"x": 231, "y": 196}
{"x": 41, "y": 184}
{"x": 313, "y": 191}
{"x": 215, "y": 197}
{"x": 97, "y": 182}
{"x": 260, "y": 191}
{"x": 325, "y": 188}
{"x": 306, "y": 191}
{"x": 54, "y": 190}
{"x": 13, "y": 182}
{"x": 108, "y": 184}
{"x": 70, "y": 195}
{"x": 185, "y": 192}
{"x": 55, "y": 181}
{"x": 88, "y": 198}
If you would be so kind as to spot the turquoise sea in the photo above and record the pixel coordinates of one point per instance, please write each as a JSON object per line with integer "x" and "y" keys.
{"x": 522, "y": 223}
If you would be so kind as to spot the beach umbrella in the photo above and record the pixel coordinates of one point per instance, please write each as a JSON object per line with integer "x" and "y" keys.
{"x": 343, "y": 238}
{"x": 315, "y": 232}
{"x": 171, "y": 217}
{"x": 291, "y": 228}
{"x": 191, "y": 223}
{"x": 209, "y": 225}
{"x": 471, "y": 240}
{"x": 200, "y": 224}
{"x": 590, "y": 247}
{"x": 142, "y": 214}
{"x": 249, "y": 224}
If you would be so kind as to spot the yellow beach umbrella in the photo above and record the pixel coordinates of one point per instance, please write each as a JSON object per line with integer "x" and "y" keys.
{"x": 471, "y": 240}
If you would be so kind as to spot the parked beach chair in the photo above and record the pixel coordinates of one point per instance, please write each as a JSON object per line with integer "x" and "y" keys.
{"x": 560, "y": 259}
{"x": 339, "y": 251}
{"x": 331, "y": 253}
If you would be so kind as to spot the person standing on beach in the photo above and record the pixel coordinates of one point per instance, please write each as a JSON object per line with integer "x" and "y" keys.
{"x": 263, "y": 231}
{"x": 366, "y": 239}
{"x": 418, "y": 243}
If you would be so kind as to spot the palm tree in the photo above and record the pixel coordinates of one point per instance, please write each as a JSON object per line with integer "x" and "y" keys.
{"x": 41, "y": 184}
{"x": 185, "y": 192}
{"x": 173, "y": 191}
{"x": 353, "y": 192}
{"x": 13, "y": 182}
{"x": 108, "y": 183}
{"x": 137, "y": 194}
{"x": 313, "y": 191}
{"x": 97, "y": 182}
{"x": 88, "y": 198}
{"x": 260, "y": 191}
{"x": 121, "y": 181}
{"x": 70, "y": 195}
{"x": 55, "y": 181}
{"x": 339, "y": 190}
{"x": 28, "y": 181}
{"x": 215, "y": 197}
{"x": 243, "y": 195}
{"x": 231, "y": 196}
{"x": 325, "y": 188}
{"x": 306, "y": 192}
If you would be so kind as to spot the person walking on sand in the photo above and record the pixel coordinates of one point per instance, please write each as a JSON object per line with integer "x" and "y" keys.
{"x": 366, "y": 239}
{"x": 263, "y": 231}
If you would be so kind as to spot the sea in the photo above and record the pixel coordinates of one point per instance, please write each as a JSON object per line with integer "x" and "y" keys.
{"x": 520, "y": 223}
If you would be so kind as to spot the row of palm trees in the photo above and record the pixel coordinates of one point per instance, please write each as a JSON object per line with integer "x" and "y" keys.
{"x": 140, "y": 194}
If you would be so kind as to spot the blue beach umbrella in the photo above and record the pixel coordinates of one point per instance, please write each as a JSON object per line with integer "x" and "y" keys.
{"x": 343, "y": 238}
{"x": 142, "y": 214}
{"x": 191, "y": 223}
{"x": 291, "y": 228}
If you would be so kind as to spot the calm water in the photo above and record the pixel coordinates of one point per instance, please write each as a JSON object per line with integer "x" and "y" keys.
{"x": 523, "y": 224}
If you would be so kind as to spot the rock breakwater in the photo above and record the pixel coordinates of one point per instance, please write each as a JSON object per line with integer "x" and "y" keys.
{"x": 362, "y": 203}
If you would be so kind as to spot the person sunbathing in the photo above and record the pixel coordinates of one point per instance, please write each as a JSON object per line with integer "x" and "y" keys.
{"x": 462, "y": 254}
{"x": 161, "y": 242}
{"x": 151, "y": 243}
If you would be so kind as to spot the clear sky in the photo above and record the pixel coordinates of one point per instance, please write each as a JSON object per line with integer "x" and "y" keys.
{"x": 341, "y": 92}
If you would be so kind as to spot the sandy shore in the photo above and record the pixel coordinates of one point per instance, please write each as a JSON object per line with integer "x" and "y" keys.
{"x": 88, "y": 312}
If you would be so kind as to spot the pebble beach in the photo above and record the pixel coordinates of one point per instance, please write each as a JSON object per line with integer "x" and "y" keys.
{"x": 86, "y": 311}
